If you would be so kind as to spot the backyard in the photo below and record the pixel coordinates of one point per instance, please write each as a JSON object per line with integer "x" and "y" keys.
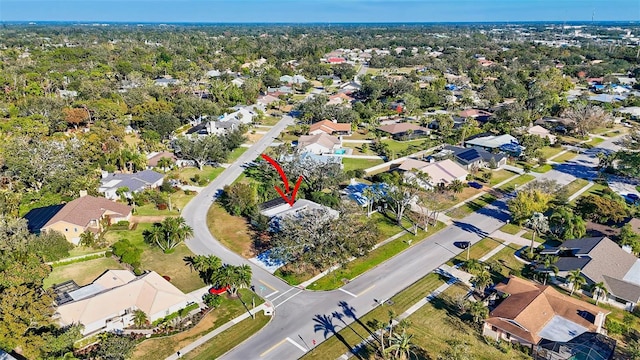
{"x": 82, "y": 273}
{"x": 355, "y": 164}
{"x": 400, "y": 146}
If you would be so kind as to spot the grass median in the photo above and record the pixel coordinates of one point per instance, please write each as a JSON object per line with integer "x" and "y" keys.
{"x": 360, "y": 265}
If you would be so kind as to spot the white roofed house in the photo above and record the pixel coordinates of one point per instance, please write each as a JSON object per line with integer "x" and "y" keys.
{"x": 135, "y": 182}
{"x": 109, "y": 302}
{"x": 542, "y": 132}
{"x": 243, "y": 115}
{"x": 441, "y": 173}
{"x": 321, "y": 143}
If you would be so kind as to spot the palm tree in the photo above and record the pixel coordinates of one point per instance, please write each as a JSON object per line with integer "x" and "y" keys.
{"x": 235, "y": 277}
{"x": 139, "y": 318}
{"x": 599, "y": 289}
{"x": 401, "y": 345}
{"x": 473, "y": 266}
{"x": 205, "y": 265}
{"x": 456, "y": 186}
{"x": 478, "y": 311}
{"x": 176, "y": 231}
{"x": 549, "y": 264}
{"x": 482, "y": 280}
{"x": 164, "y": 163}
{"x": 539, "y": 224}
{"x": 576, "y": 280}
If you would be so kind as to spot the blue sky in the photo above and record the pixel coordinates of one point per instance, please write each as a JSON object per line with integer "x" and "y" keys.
{"x": 318, "y": 10}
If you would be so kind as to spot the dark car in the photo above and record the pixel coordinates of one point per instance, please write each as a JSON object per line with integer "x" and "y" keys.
{"x": 462, "y": 244}
{"x": 633, "y": 198}
{"x": 217, "y": 290}
{"x": 475, "y": 185}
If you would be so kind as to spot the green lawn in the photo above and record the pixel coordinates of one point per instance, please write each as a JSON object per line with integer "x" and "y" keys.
{"x": 516, "y": 183}
{"x": 178, "y": 201}
{"x": 161, "y": 348}
{"x": 270, "y": 120}
{"x": 511, "y": 229}
{"x": 153, "y": 258}
{"x": 471, "y": 206}
{"x": 229, "y": 338}
{"x": 360, "y": 135}
{"x": 549, "y": 151}
{"x": 596, "y": 189}
{"x": 387, "y": 226}
{"x": 500, "y": 176}
{"x": 433, "y": 326}
{"x": 373, "y": 258}
{"x": 232, "y": 231}
{"x": 82, "y": 273}
{"x": 453, "y": 199}
{"x": 354, "y": 164}
{"x": 565, "y": 157}
{"x": 510, "y": 265}
{"x": 573, "y": 187}
{"x": 542, "y": 169}
{"x": 207, "y": 172}
{"x": 477, "y": 250}
{"x": 595, "y": 141}
{"x": 235, "y": 154}
{"x": 400, "y": 146}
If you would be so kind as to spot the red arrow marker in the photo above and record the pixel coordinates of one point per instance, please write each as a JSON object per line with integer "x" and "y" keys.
{"x": 290, "y": 199}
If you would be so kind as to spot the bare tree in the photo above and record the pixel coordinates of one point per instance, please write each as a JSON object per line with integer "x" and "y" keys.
{"x": 587, "y": 117}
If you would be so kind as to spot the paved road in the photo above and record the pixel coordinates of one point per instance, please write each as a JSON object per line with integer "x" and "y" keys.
{"x": 291, "y": 333}
{"x": 195, "y": 213}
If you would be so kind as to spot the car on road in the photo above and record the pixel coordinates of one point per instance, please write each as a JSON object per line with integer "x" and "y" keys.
{"x": 462, "y": 244}
{"x": 217, "y": 290}
{"x": 475, "y": 185}
{"x": 632, "y": 198}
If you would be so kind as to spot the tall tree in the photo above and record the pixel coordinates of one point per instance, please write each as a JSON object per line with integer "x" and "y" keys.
{"x": 599, "y": 290}
{"x": 235, "y": 277}
{"x": 539, "y": 224}
{"x": 576, "y": 280}
{"x": 168, "y": 234}
{"x": 201, "y": 149}
{"x": 587, "y": 117}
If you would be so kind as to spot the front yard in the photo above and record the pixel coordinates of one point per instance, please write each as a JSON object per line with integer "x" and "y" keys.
{"x": 471, "y": 206}
{"x": 401, "y": 146}
{"x": 179, "y": 200}
{"x": 477, "y": 250}
{"x": 208, "y": 173}
{"x": 161, "y": 348}
{"x": 565, "y": 157}
{"x": 233, "y": 232}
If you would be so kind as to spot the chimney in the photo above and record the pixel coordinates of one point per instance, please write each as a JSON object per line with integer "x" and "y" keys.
{"x": 104, "y": 174}
{"x": 83, "y": 193}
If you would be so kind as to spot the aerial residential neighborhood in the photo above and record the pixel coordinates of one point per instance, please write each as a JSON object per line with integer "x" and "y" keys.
{"x": 401, "y": 190}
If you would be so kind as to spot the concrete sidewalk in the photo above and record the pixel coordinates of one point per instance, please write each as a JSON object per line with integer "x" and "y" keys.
{"x": 215, "y": 332}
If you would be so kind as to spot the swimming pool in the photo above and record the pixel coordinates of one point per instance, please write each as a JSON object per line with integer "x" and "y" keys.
{"x": 340, "y": 151}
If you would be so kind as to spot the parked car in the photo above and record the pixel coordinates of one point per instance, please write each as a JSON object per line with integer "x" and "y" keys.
{"x": 475, "y": 185}
{"x": 217, "y": 290}
{"x": 632, "y": 198}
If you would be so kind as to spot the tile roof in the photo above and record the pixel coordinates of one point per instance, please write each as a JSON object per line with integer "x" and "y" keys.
{"x": 330, "y": 127}
{"x": 530, "y": 307}
{"x": 411, "y": 164}
{"x": 83, "y": 210}
{"x": 400, "y": 128}
{"x": 149, "y": 292}
{"x": 322, "y": 139}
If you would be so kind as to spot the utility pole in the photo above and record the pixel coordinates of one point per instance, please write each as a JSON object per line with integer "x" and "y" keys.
{"x": 468, "y": 249}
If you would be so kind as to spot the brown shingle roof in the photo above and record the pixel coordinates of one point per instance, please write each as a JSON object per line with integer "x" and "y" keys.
{"x": 530, "y": 306}
{"x": 83, "y": 210}
{"x": 400, "y": 128}
{"x": 329, "y": 126}
{"x": 322, "y": 139}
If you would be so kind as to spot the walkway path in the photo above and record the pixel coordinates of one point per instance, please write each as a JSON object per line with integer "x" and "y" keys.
{"x": 507, "y": 240}
{"x": 218, "y": 330}
{"x": 581, "y": 191}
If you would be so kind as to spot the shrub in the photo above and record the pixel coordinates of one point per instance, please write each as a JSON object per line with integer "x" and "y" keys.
{"x": 212, "y": 301}
{"x": 127, "y": 252}
{"x": 196, "y": 178}
{"x": 161, "y": 206}
{"x": 51, "y": 245}
{"x": 615, "y": 327}
{"x": 187, "y": 192}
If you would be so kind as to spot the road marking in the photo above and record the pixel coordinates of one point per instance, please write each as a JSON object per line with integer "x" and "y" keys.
{"x": 297, "y": 345}
{"x": 273, "y": 293}
{"x": 287, "y": 299}
{"x": 365, "y": 290}
{"x": 284, "y": 293}
{"x": 347, "y": 292}
{"x": 273, "y": 347}
{"x": 267, "y": 285}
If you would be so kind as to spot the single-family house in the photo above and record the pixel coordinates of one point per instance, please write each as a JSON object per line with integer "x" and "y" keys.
{"x": 473, "y": 157}
{"x": 244, "y": 115}
{"x": 633, "y": 111}
{"x": 6, "y": 356}
{"x": 526, "y": 312}
{"x": 277, "y": 210}
{"x": 67, "y": 94}
{"x": 109, "y": 302}
{"x": 330, "y": 127}
{"x": 602, "y": 260}
{"x": 402, "y": 131}
{"x": 222, "y": 127}
{"x": 542, "y": 132}
{"x": 77, "y": 216}
{"x": 213, "y": 73}
{"x": 321, "y": 143}
{"x": 238, "y": 81}
{"x": 336, "y": 60}
{"x": 339, "y": 99}
{"x": 607, "y": 98}
{"x": 267, "y": 100}
{"x": 135, "y": 182}
{"x": 154, "y": 157}
{"x": 491, "y": 142}
{"x": 296, "y": 79}
{"x": 350, "y": 86}
{"x": 477, "y": 114}
{"x": 441, "y": 173}
{"x": 165, "y": 82}
{"x": 358, "y": 191}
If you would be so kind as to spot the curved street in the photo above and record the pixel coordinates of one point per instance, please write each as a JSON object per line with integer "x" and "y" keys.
{"x": 291, "y": 332}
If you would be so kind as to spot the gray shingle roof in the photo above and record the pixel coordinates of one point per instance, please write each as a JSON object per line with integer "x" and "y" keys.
{"x": 622, "y": 289}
